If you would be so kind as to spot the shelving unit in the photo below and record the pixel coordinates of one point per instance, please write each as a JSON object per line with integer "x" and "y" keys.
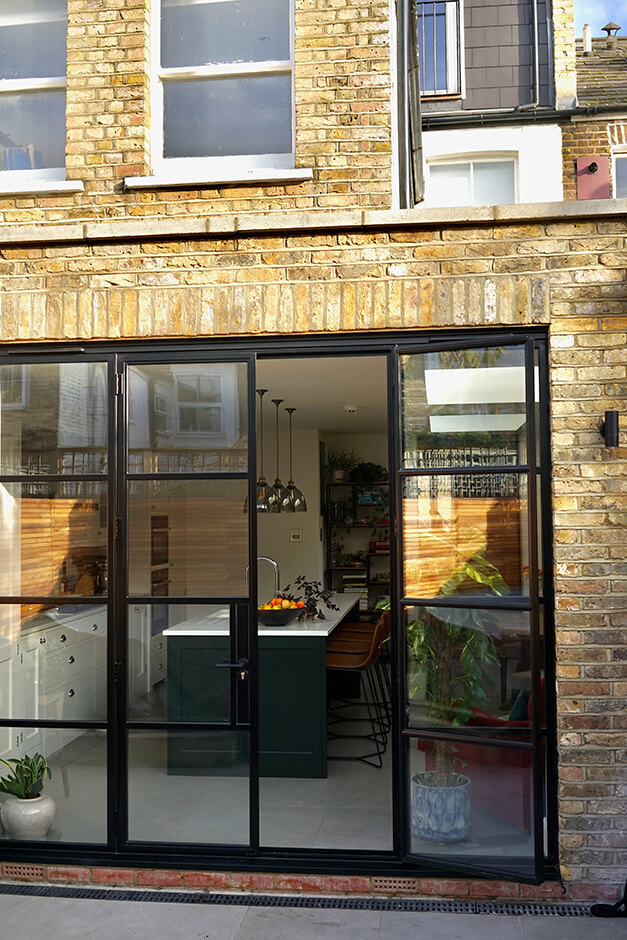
{"x": 358, "y": 540}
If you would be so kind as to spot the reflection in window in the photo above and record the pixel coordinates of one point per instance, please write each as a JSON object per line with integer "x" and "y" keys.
{"x": 226, "y": 80}
{"x": 32, "y": 117}
{"x": 53, "y": 418}
{"x": 188, "y": 418}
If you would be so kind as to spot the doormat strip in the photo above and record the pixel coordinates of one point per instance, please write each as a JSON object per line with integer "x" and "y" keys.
{"x": 269, "y": 900}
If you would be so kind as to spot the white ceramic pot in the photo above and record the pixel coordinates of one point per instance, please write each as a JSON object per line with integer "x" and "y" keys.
{"x": 440, "y": 814}
{"x": 28, "y": 819}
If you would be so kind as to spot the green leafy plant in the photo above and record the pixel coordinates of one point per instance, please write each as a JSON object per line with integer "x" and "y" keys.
{"x": 313, "y": 595}
{"x": 447, "y": 650}
{"x": 340, "y": 460}
{"x": 27, "y": 776}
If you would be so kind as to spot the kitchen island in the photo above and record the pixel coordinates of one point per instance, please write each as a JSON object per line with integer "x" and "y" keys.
{"x": 292, "y": 694}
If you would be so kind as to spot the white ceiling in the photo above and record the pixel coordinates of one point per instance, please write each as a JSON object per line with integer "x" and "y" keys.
{"x": 319, "y": 388}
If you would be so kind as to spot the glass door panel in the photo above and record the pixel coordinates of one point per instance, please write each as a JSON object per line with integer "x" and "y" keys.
{"x": 188, "y": 633}
{"x": 202, "y": 545}
{"x": 470, "y": 630}
{"x": 54, "y": 581}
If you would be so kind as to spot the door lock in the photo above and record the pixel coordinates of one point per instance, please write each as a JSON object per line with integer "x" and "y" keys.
{"x": 242, "y": 664}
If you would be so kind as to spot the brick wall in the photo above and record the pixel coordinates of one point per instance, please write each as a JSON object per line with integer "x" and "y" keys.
{"x": 343, "y": 120}
{"x": 582, "y": 138}
{"x": 568, "y": 273}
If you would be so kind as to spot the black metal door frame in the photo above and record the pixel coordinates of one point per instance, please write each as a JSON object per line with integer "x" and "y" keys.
{"x": 240, "y": 349}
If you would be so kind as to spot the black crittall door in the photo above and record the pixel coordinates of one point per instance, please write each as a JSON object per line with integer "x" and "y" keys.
{"x": 470, "y": 607}
{"x": 183, "y": 546}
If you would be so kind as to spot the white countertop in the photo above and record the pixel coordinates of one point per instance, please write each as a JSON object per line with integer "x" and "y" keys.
{"x": 215, "y": 621}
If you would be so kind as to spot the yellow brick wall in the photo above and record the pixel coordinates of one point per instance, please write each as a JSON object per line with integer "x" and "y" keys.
{"x": 343, "y": 118}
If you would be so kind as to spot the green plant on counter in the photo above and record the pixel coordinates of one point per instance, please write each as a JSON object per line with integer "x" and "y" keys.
{"x": 27, "y": 776}
{"x": 313, "y": 595}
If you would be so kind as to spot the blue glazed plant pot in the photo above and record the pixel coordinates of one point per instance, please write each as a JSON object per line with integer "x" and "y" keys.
{"x": 440, "y": 814}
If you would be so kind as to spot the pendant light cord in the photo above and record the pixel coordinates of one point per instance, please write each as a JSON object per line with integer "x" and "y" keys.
{"x": 290, "y": 411}
{"x": 277, "y": 402}
{"x": 261, "y": 392}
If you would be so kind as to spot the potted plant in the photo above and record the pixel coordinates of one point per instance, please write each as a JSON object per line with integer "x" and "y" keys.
{"x": 28, "y": 813}
{"x": 339, "y": 463}
{"x": 447, "y": 651}
{"x": 313, "y": 595}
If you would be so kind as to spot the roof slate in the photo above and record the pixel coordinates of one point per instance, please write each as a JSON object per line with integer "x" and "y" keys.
{"x": 602, "y": 76}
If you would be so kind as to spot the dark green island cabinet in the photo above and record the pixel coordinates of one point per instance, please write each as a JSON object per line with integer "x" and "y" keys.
{"x": 292, "y": 699}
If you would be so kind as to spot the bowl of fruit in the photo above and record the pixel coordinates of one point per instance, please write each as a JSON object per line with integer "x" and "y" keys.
{"x": 279, "y": 611}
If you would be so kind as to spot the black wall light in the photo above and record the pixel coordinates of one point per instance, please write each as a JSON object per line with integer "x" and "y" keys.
{"x": 609, "y": 428}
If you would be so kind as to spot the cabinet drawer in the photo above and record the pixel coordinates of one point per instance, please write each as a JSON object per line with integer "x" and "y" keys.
{"x": 76, "y": 699}
{"x": 65, "y": 664}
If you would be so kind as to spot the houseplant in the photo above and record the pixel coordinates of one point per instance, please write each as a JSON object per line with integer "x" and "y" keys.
{"x": 313, "y": 595}
{"x": 339, "y": 463}
{"x": 28, "y": 813}
{"x": 447, "y": 650}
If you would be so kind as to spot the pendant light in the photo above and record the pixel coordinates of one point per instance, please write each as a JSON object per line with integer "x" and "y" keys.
{"x": 277, "y": 493}
{"x": 263, "y": 488}
{"x": 294, "y": 501}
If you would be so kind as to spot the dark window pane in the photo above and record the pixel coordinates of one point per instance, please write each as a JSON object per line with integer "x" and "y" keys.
{"x": 53, "y": 418}
{"x": 216, "y": 33}
{"x": 228, "y": 117}
{"x": 188, "y": 787}
{"x": 32, "y": 39}
{"x": 207, "y": 538}
{"x": 53, "y": 539}
{"x": 33, "y": 130}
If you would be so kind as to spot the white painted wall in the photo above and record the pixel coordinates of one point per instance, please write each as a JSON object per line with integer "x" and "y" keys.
{"x": 538, "y": 151}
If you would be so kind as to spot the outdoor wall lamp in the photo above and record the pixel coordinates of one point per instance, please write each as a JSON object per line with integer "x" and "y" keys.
{"x": 609, "y": 428}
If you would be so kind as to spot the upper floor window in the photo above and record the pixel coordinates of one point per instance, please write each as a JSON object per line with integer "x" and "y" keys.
{"x": 439, "y": 47}
{"x": 225, "y": 82}
{"x": 32, "y": 87}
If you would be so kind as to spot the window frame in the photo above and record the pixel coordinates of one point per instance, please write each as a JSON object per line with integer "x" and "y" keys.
{"x": 618, "y": 154}
{"x": 451, "y": 160}
{"x": 454, "y": 25}
{"x": 24, "y": 86}
{"x": 175, "y": 167}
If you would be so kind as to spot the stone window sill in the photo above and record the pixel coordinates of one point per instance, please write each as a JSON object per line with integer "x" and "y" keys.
{"x": 40, "y": 187}
{"x": 258, "y": 175}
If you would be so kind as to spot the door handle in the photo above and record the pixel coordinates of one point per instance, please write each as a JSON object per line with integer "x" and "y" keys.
{"x": 242, "y": 664}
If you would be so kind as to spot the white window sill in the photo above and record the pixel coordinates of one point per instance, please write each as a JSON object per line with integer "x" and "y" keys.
{"x": 39, "y": 187}
{"x": 258, "y": 175}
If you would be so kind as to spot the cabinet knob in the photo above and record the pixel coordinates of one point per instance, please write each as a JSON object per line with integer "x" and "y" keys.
{"x": 70, "y": 693}
{"x": 62, "y": 638}
{"x": 160, "y": 666}
{"x": 159, "y": 646}
{"x": 42, "y": 639}
{"x": 94, "y": 627}
{"x": 70, "y": 660}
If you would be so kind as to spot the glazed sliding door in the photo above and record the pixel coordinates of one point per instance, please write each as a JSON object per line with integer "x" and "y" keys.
{"x": 470, "y": 607}
{"x": 185, "y": 598}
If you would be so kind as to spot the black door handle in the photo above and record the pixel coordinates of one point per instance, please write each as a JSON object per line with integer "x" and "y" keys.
{"x": 242, "y": 664}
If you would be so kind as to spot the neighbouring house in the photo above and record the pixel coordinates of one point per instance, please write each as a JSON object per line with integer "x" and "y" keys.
{"x": 243, "y": 244}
